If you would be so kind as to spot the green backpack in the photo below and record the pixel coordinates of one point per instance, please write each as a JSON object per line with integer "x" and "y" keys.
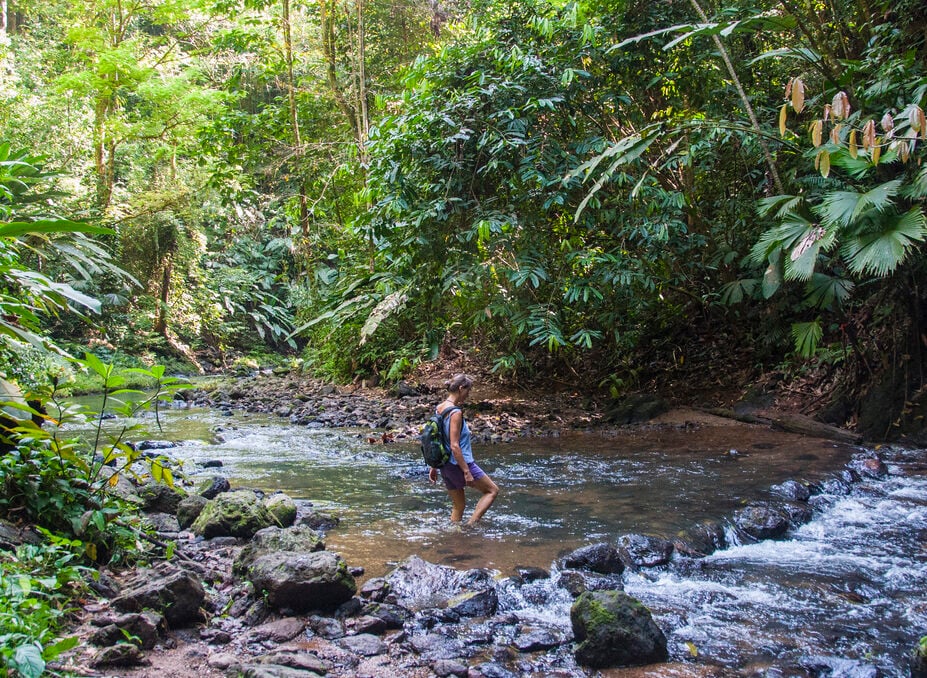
{"x": 436, "y": 451}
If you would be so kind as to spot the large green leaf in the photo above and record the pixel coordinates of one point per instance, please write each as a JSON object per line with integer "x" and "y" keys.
{"x": 880, "y": 253}
{"x": 15, "y": 229}
{"x": 846, "y": 207}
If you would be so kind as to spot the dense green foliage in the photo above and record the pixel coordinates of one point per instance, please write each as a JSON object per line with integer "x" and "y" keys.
{"x": 592, "y": 185}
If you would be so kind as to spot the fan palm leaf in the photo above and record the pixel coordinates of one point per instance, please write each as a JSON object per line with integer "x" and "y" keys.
{"x": 881, "y": 252}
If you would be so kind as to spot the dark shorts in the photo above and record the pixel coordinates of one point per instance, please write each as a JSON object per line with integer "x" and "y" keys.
{"x": 454, "y": 477}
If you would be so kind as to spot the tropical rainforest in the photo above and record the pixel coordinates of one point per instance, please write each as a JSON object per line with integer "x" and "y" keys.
{"x": 597, "y": 192}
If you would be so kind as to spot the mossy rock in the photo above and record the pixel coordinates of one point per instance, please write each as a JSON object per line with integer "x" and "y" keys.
{"x": 282, "y": 508}
{"x": 233, "y": 514}
{"x": 613, "y": 629}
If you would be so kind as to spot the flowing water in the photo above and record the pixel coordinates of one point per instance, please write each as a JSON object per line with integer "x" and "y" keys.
{"x": 843, "y": 595}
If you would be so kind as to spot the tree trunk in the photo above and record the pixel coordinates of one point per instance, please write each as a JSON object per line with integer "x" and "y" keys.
{"x": 294, "y": 115}
{"x": 164, "y": 298}
{"x": 363, "y": 122}
{"x": 327, "y": 14}
{"x": 4, "y": 21}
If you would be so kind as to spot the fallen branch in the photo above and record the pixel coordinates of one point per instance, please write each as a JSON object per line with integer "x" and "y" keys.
{"x": 793, "y": 423}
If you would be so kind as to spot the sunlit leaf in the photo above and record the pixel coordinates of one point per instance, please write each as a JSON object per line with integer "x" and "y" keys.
{"x": 798, "y": 95}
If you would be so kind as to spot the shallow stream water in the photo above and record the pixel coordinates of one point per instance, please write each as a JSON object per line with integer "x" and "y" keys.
{"x": 844, "y": 595}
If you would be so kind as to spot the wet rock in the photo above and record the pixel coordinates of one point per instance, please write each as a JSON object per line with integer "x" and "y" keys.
{"x": 645, "y": 550}
{"x": 418, "y": 585}
{"x": 210, "y": 488}
{"x": 319, "y": 520}
{"x": 303, "y": 581}
{"x": 492, "y": 670}
{"x": 176, "y": 594}
{"x": 527, "y": 574}
{"x": 236, "y": 514}
{"x": 212, "y": 463}
{"x": 602, "y": 558}
{"x": 122, "y": 654}
{"x": 405, "y": 390}
{"x": 436, "y": 646}
{"x": 475, "y": 604}
{"x": 364, "y": 644}
{"x": 838, "y": 487}
{"x": 871, "y": 467}
{"x": 577, "y": 582}
{"x": 145, "y": 445}
{"x": 798, "y": 513}
{"x": 282, "y": 508}
{"x": 189, "y": 510}
{"x": 792, "y": 490}
{"x": 144, "y": 628}
{"x": 365, "y": 624}
{"x": 761, "y": 521}
{"x": 614, "y": 629}
{"x": 536, "y": 639}
{"x": 701, "y": 540}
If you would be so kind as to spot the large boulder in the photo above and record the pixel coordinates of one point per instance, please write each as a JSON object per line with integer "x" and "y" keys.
{"x": 761, "y": 520}
{"x": 189, "y": 509}
{"x": 232, "y": 514}
{"x": 602, "y": 558}
{"x": 174, "y": 593}
{"x": 645, "y": 550}
{"x": 613, "y": 629}
{"x": 417, "y": 585}
{"x": 297, "y": 539}
{"x": 160, "y": 497}
{"x": 303, "y": 581}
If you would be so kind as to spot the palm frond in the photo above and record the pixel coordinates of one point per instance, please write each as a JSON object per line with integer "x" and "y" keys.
{"x": 846, "y": 207}
{"x": 827, "y": 292}
{"x": 880, "y": 253}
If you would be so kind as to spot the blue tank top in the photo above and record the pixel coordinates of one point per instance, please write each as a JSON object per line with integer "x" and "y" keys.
{"x": 464, "y": 438}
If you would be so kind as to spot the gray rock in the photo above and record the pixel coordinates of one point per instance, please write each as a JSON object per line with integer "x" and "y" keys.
{"x": 614, "y": 629}
{"x": 160, "y": 497}
{"x": 364, "y": 644}
{"x": 189, "y": 510}
{"x": 298, "y": 539}
{"x": 475, "y": 604}
{"x": 142, "y": 629}
{"x": 536, "y": 639}
{"x": 303, "y": 581}
{"x": 122, "y": 654}
{"x": 278, "y": 631}
{"x": 176, "y": 594}
{"x": 448, "y": 667}
{"x": 304, "y": 661}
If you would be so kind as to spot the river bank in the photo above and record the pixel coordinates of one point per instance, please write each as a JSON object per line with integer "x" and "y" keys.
{"x": 220, "y": 642}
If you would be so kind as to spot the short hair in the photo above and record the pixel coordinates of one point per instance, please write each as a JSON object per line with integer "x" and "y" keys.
{"x": 459, "y": 381}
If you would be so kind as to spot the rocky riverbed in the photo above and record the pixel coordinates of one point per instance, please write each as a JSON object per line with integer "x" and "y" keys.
{"x": 251, "y": 589}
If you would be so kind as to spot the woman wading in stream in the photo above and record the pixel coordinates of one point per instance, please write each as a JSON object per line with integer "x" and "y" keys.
{"x": 461, "y": 471}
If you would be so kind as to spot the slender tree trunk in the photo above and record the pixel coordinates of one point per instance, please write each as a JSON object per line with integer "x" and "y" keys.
{"x": 771, "y": 165}
{"x": 164, "y": 297}
{"x": 4, "y": 21}
{"x": 327, "y": 14}
{"x": 363, "y": 122}
{"x": 294, "y": 115}
{"x": 103, "y": 154}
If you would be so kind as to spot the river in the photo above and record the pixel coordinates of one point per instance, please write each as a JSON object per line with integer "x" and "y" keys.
{"x": 844, "y": 595}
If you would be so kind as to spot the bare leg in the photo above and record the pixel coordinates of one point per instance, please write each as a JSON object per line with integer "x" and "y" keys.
{"x": 459, "y": 501}
{"x": 490, "y": 491}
